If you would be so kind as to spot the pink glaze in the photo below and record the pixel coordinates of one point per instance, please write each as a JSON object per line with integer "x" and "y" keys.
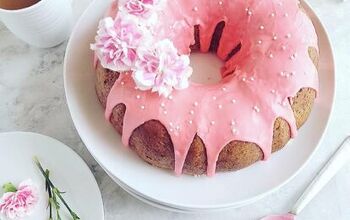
{"x": 279, "y": 217}
{"x": 272, "y": 66}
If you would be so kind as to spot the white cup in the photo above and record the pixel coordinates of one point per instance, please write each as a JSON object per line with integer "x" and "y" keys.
{"x": 44, "y": 24}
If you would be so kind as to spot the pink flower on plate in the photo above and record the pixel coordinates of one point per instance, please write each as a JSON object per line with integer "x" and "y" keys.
{"x": 117, "y": 41}
{"x": 21, "y": 202}
{"x": 140, "y": 8}
{"x": 161, "y": 69}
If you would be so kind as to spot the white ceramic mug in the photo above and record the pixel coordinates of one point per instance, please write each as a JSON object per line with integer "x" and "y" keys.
{"x": 44, "y": 24}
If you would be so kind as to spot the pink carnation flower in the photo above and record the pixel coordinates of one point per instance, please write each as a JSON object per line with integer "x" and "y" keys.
{"x": 161, "y": 69}
{"x": 19, "y": 204}
{"x": 116, "y": 42}
{"x": 140, "y": 8}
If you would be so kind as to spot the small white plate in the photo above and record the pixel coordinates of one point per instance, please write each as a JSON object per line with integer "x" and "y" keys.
{"x": 161, "y": 186}
{"x": 68, "y": 172}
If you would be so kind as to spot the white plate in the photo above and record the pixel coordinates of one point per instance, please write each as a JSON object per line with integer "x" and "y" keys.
{"x": 161, "y": 186}
{"x": 68, "y": 172}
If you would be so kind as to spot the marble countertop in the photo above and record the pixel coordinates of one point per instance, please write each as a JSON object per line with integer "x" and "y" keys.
{"x": 32, "y": 99}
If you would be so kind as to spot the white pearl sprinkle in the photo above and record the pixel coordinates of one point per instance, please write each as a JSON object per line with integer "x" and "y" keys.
{"x": 138, "y": 96}
{"x": 233, "y": 122}
{"x": 259, "y": 41}
{"x": 142, "y": 107}
{"x": 190, "y": 122}
{"x": 170, "y": 97}
{"x": 171, "y": 124}
{"x": 122, "y": 83}
{"x": 165, "y": 112}
{"x": 244, "y": 79}
{"x": 256, "y": 108}
{"x": 261, "y": 27}
{"x": 252, "y": 78}
{"x": 293, "y": 56}
{"x": 274, "y": 37}
{"x": 273, "y": 14}
{"x": 288, "y": 35}
{"x": 214, "y": 98}
{"x": 212, "y": 122}
{"x": 220, "y": 2}
{"x": 171, "y": 130}
{"x": 246, "y": 9}
{"x": 233, "y": 101}
{"x": 195, "y": 104}
{"x": 195, "y": 8}
{"x": 250, "y": 13}
{"x": 162, "y": 104}
{"x": 177, "y": 127}
{"x": 286, "y": 15}
{"x": 234, "y": 131}
{"x": 271, "y": 56}
{"x": 224, "y": 89}
{"x": 220, "y": 106}
{"x": 192, "y": 112}
{"x": 284, "y": 47}
{"x": 273, "y": 91}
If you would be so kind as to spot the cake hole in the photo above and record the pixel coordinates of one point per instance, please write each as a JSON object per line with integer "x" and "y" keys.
{"x": 234, "y": 51}
{"x": 215, "y": 40}
{"x": 206, "y": 68}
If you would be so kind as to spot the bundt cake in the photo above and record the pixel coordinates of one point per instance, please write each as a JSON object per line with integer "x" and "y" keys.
{"x": 268, "y": 87}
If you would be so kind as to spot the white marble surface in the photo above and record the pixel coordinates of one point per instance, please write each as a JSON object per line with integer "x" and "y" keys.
{"x": 32, "y": 99}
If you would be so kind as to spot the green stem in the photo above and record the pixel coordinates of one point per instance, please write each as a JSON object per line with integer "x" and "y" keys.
{"x": 55, "y": 190}
{"x": 48, "y": 188}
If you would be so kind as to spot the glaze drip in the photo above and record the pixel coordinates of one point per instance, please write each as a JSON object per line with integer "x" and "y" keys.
{"x": 272, "y": 65}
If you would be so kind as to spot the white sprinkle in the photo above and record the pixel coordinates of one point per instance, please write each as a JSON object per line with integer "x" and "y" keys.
{"x": 271, "y": 55}
{"x": 233, "y": 101}
{"x": 214, "y": 98}
{"x": 233, "y": 122}
{"x": 177, "y": 127}
{"x": 162, "y": 104}
{"x": 195, "y": 104}
{"x": 257, "y": 109}
{"x": 171, "y": 130}
{"x": 212, "y": 122}
{"x": 246, "y": 9}
{"x": 273, "y": 91}
{"x": 284, "y": 103}
{"x": 165, "y": 112}
{"x": 286, "y": 15}
{"x": 252, "y": 78}
{"x": 293, "y": 56}
{"x": 284, "y": 47}
{"x": 220, "y": 2}
{"x": 224, "y": 89}
{"x": 170, "y": 97}
{"x": 234, "y": 131}
{"x": 171, "y": 124}
{"x": 192, "y": 112}
{"x": 259, "y": 41}
{"x": 138, "y": 96}
{"x": 274, "y": 37}
{"x": 273, "y": 14}
{"x": 244, "y": 79}
{"x": 261, "y": 27}
{"x": 250, "y": 13}
{"x": 220, "y": 106}
{"x": 142, "y": 107}
{"x": 288, "y": 35}
{"x": 122, "y": 83}
{"x": 292, "y": 73}
{"x": 195, "y": 8}
{"x": 190, "y": 121}
{"x": 282, "y": 73}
